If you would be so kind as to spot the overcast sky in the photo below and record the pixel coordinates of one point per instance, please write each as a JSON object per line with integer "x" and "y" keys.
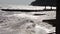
{"x": 19, "y": 2}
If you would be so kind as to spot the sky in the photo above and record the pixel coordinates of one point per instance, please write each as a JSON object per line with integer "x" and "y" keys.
{"x": 19, "y": 2}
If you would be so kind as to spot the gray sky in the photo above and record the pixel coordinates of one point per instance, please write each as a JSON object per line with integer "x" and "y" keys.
{"x": 19, "y": 2}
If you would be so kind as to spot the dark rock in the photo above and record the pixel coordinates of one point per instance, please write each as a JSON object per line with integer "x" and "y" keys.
{"x": 51, "y": 21}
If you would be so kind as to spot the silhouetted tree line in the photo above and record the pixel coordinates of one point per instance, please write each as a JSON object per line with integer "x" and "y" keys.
{"x": 44, "y": 3}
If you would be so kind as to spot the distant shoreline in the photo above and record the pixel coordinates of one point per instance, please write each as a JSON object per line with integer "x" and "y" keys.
{"x": 26, "y": 10}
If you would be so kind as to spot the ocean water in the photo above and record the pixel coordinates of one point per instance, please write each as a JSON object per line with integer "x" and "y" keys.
{"x": 22, "y": 22}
